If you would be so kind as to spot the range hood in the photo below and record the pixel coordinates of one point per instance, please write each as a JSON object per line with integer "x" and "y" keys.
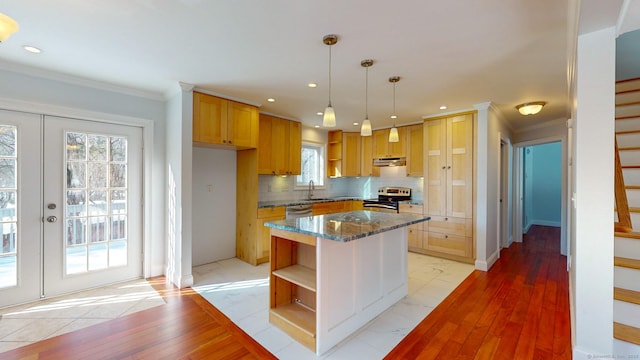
{"x": 395, "y": 161}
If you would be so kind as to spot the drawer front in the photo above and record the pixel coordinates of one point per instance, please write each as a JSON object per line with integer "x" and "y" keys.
{"x": 270, "y": 212}
{"x": 449, "y": 244}
{"x": 411, "y": 209}
{"x": 328, "y": 207}
{"x": 415, "y": 235}
{"x": 450, "y": 225}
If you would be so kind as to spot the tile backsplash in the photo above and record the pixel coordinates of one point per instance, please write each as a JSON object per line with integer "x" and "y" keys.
{"x": 275, "y": 188}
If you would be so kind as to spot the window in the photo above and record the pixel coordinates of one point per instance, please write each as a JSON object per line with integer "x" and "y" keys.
{"x": 313, "y": 167}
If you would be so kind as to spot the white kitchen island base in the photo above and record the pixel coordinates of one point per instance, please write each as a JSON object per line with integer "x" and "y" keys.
{"x": 357, "y": 281}
{"x": 322, "y": 290}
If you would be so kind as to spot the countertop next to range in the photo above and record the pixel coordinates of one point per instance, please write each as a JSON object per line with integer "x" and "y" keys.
{"x": 347, "y": 226}
{"x": 276, "y": 203}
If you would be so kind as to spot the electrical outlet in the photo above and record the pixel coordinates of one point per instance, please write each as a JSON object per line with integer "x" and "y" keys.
{"x": 209, "y": 188}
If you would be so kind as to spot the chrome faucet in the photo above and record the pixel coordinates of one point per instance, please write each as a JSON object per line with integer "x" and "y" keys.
{"x": 311, "y": 188}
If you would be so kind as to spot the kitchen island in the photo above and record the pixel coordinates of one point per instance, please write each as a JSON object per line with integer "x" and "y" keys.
{"x": 331, "y": 274}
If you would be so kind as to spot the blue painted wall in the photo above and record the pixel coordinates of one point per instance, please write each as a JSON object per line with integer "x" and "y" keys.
{"x": 544, "y": 181}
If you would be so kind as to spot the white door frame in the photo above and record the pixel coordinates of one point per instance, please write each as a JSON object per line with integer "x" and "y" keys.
{"x": 504, "y": 192}
{"x": 147, "y": 126}
{"x": 518, "y": 191}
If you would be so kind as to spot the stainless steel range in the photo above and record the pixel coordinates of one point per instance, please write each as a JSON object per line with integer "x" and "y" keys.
{"x": 388, "y": 199}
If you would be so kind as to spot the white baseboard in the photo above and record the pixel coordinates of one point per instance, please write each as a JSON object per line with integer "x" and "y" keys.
{"x": 485, "y": 265}
{"x": 545, "y": 223}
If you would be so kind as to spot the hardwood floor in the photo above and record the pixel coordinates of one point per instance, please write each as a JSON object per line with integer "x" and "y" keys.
{"x": 517, "y": 310}
{"x": 187, "y": 327}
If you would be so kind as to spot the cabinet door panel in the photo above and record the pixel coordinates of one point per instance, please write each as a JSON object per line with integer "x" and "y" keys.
{"x": 280, "y": 153}
{"x": 460, "y": 159}
{"x": 295, "y": 148}
{"x": 381, "y": 143}
{"x": 265, "y": 154}
{"x": 399, "y": 149}
{"x": 209, "y": 119}
{"x": 415, "y": 153}
{"x": 351, "y": 154}
{"x": 242, "y": 127}
{"x": 435, "y": 148}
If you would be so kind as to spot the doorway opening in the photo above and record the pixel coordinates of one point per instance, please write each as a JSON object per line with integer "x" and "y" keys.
{"x": 540, "y": 186}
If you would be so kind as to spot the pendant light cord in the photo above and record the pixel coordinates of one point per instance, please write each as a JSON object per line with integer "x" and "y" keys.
{"x": 330, "y": 75}
{"x": 366, "y": 94}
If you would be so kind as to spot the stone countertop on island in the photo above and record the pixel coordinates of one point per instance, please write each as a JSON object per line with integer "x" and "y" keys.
{"x": 347, "y": 226}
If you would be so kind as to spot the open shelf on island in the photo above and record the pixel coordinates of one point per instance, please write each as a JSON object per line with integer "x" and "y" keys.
{"x": 298, "y": 316}
{"x": 299, "y": 275}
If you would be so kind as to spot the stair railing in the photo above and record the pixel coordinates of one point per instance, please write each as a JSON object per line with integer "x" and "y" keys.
{"x": 622, "y": 205}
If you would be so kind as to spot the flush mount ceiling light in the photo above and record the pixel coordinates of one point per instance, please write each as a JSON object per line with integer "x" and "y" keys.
{"x": 8, "y": 26}
{"x": 329, "y": 118}
{"x": 365, "y": 130}
{"x": 530, "y": 108}
{"x": 393, "y": 133}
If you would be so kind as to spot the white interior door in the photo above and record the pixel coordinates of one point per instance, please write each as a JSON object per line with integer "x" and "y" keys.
{"x": 20, "y": 207}
{"x": 92, "y": 206}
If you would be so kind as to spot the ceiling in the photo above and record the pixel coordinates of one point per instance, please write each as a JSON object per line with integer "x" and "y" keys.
{"x": 453, "y": 53}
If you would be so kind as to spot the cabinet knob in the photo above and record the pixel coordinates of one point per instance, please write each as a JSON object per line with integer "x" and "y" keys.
{"x": 224, "y": 141}
{"x": 446, "y": 219}
{"x": 446, "y": 236}
{"x": 230, "y": 142}
{"x": 444, "y": 167}
{"x": 448, "y": 167}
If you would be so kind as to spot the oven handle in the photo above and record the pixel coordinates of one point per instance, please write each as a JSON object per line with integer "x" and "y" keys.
{"x": 381, "y": 206}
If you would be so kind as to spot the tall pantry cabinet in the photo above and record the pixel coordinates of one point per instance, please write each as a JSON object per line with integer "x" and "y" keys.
{"x": 449, "y": 186}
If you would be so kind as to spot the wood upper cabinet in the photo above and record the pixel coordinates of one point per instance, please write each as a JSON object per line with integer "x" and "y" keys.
{"x": 366, "y": 164}
{"x": 415, "y": 156}
{"x": 382, "y": 148}
{"x": 280, "y": 146}
{"x": 218, "y": 121}
{"x": 351, "y": 154}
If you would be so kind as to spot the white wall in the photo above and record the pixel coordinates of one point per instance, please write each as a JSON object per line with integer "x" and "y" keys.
{"x": 591, "y": 274}
{"x": 81, "y": 99}
{"x": 490, "y": 129}
{"x": 214, "y": 205}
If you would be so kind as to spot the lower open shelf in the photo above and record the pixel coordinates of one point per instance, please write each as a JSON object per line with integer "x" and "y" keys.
{"x": 297, "y": 321}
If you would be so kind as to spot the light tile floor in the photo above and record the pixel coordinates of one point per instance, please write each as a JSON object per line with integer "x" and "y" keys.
{"x": 24, "y": 324}
{"x": 241, "y": 291}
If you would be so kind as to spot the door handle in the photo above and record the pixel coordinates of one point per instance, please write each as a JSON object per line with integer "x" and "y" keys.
{"x": 52, "y": 219}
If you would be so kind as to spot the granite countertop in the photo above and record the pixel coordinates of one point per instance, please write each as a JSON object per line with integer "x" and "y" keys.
{"x": 347, "y": 226}
{"x": 275, "y": 203}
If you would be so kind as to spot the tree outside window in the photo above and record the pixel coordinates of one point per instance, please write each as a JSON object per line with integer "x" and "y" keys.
{"x": 313, "y": 165}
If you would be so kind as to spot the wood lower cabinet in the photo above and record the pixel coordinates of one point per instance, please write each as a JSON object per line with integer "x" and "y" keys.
{"x": 448, "y": 191}
{"x": 416, "y": 231}
{"x": 280, "y": 146}
{"x": 224, "y": 123}
{"x": 263, "y": 244}
{"x": 331, "y": 207}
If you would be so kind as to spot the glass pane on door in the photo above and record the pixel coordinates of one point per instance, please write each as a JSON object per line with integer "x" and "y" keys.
{"x": 8, "y": 206}
{"x": 96, "y": 195}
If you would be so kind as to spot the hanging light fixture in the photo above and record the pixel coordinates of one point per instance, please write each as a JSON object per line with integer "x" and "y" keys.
{"x": 329, "y": 117}
{"x": 7, "y": 27}
{"x": 365, "y": 130}
{"x": 393, "y": 133}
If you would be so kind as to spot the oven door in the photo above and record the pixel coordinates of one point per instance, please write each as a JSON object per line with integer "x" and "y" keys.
{"x": 383, "y": 206}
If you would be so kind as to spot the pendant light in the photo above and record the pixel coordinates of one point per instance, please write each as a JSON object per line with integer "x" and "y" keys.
{"x": 329, "y": 117}
{"x": 365, "y": 130}
{"x": 393, "y": 133}
{"x": 7, "y": 27}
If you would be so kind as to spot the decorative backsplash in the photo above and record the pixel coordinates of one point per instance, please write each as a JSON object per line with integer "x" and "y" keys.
{"x": 274, "y": 188}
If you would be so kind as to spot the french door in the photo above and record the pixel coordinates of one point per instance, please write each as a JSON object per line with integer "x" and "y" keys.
{"x": 71, "y": 213}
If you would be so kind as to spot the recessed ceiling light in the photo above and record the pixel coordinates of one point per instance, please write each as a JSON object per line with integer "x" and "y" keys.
{"x": 317, "y": 126}
{"x": 32, "y": 49}
{"x": 271, "y": 100}
{"x": 319, "y": 113}
{"x": 443, "y": 107}
{"x": 355, "y": 124}
{"x": 312, "y": 85}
